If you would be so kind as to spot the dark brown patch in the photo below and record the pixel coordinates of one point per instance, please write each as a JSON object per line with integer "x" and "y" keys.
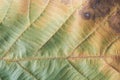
{"x": 117, "y": 1}
{"x": 98, "y": 8}
{"x": 87, "y": 14}
{"x": 99, "y": 3}
{"x": 114, "y": 22}
{"x": 101, "y": 7}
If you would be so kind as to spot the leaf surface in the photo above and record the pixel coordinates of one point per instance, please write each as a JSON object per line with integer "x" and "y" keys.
{"x": 59, "y": 40}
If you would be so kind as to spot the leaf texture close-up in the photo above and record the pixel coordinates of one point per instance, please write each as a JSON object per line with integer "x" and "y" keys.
{"x": 59, "y": 39}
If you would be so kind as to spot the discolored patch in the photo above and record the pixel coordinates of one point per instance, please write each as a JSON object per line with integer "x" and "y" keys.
{"x": 99, "y": 3}
{"x": 114, "y": 22}
{"x": 101, "y": 7}
{"x": 117, "y": 1}
{"x": 87, "y": 14}
{"x": 97, "y": 8}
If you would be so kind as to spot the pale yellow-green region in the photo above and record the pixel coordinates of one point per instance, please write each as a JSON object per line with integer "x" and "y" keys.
{"x": 4, "y": 6}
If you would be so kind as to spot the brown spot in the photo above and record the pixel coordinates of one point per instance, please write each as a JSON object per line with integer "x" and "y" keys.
{"x": 114, "y": 22}
{"x": 98, "y": 8}
{"x": 87, "y": 13}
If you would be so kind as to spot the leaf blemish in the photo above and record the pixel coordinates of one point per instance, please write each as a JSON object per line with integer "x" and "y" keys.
{"x": 94, "y": 3}
{"x": 114, "y": 22}
{"x": 87, "y": 15}
{"x": 100, "y": 8}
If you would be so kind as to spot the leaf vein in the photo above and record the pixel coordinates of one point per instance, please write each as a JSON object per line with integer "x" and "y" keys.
{"x": 7, "y": 11}
{"x": 26, "y": 70}
{"x": 26, "y": 28}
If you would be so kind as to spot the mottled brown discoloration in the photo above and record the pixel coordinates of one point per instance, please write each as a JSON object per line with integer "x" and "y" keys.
{"x": 114, "y": 21}
{"x": 97, "y": 8}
